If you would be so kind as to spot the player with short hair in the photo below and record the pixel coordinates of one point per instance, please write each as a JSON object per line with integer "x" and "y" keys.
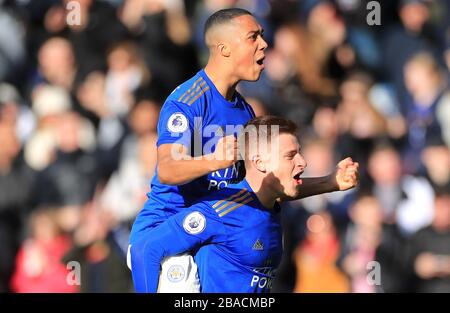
{"x": 198, "y": 123}
{"x": 197, "y": 120}
{"x": 235, "y": 233}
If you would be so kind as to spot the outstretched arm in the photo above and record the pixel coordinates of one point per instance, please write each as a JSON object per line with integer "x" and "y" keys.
{"x": 345, "y": 177}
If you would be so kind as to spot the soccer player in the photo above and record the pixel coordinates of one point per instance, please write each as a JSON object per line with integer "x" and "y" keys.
{"x": 236, "y": 231}
{"x": 198, "y": 120}
{"x": 193, "y": 122}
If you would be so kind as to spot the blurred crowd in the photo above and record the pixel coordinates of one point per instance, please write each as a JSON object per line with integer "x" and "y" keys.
{"x": 79, "y": 104}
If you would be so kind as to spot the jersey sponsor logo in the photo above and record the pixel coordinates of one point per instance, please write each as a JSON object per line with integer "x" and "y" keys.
{"x": 258, "y": 245}
{"x": 175, "y": 273}
{"x": 220, "y": 179}
{"x": 194, "y": 223}
{"x": 177, "y": 123}
{"x": 263, "y": 278}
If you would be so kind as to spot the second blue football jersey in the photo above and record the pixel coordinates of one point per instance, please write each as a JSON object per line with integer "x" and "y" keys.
{"x": 195, "y": 115}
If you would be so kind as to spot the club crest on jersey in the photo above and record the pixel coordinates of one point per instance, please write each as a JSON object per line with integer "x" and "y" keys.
{"x": 177, "y": 123}
{"x": 175, "y": 273}
{"x": 194, "y": 223}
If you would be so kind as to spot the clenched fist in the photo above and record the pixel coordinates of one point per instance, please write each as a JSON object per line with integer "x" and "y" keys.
{"x": 226, "y": 152}
{"x": 346, "y": 174}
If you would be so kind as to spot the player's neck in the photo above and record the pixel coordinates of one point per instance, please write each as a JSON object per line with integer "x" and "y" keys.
{"x": 264, "y": 194}
{"x": 222, "y": 80}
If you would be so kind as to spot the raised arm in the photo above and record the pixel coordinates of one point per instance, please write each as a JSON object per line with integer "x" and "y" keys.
{"x": 177, "y": 130}
{"x": 345, "y": 177}
{"x": 176, "y": 167}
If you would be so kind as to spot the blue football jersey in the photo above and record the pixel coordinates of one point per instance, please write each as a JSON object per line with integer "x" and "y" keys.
{"x": 235, "y": 240}
{"x": 247, "y": 259}
{"x": 195, "y": 115}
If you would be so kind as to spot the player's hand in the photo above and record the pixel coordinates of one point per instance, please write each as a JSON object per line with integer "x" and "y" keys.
{"x": 226, "y": 151}
{"x": 346, "y": 174}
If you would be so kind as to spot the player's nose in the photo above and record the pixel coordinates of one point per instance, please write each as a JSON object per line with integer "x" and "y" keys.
{"x": 300, "y": 161}
{"x": 263, "y": 44}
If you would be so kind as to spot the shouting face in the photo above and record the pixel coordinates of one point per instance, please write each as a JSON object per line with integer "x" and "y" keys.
{"x": 247, "y": 48}
{"x": 285, "y": 164}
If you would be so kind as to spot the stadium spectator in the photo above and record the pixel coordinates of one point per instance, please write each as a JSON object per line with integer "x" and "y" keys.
{"x": 360, "y": 241}
{"x": 386, "y": 179}
{"x": 401, "y": 41}
{"x": 48, "y": 103}
{"x": 360, "y": 124}
{"x": 298, "y": 70}
{"x": 164, "y": 36}
{"x": 12, "y": 42}
{"x": 322, "y": 156}
{"x": 429, "y": 250}
{"x": 324, "y": 125}
{"x": 436, "y": 159}
{"x": 125, "y": 192}
{"x": 70, "y": 177}
{"x": 15, "y": 112}
{"x": 322, "y": 33}
{"x": 316, "y": 258}
{"x": 98, "y": 252}
{"x": 98, "y": 30}
{"x": 39, "y": 266}
{"x": 111, "y": 127}
{"x": 56, "y": 64}
{"x": 405, "y": 199}
{"x": 126, "y": 73}
{"x": 428, "y": 109}
{"x": 137, "y": 158}
{"x": 360, "y": 35}
{"x": 14, "y": 190}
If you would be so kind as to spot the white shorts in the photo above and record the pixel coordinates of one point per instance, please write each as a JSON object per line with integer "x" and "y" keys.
{"x": 178, "y": 274}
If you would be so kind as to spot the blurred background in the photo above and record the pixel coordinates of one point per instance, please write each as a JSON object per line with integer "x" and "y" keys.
{"x": 79, "y": 106}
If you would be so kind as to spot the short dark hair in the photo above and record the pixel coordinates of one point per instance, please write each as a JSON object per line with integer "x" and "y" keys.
{"x": 263, "y": 125}
{"x": 285, "y": 125}
{"x": 224, "y": 16}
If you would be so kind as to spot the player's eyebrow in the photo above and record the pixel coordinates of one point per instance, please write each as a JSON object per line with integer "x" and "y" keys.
{"x": 293, "y": 151}
{"x": 255, "y": 32}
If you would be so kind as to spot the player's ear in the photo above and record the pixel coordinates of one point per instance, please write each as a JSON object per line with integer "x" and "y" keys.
{"x": 224, "y": 49}
{"x": 258, "y": 163}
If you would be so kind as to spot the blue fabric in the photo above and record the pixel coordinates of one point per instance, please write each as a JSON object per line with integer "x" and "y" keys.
{"x": 237, "y": 243}
{"x": 194, "y": 110}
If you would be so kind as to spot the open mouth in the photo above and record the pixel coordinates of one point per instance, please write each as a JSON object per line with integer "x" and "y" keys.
{"x": 297, "y": 178}
{"x": 260, "y": 61}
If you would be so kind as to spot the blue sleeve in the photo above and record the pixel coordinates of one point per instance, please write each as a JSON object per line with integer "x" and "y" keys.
{"x": 176, "y": 124}
{"x": 189, "y": 229}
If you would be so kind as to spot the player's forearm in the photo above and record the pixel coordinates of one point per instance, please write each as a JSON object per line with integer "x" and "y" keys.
{"x": 315, "y": 186}
{"x": 178, "y": 172}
